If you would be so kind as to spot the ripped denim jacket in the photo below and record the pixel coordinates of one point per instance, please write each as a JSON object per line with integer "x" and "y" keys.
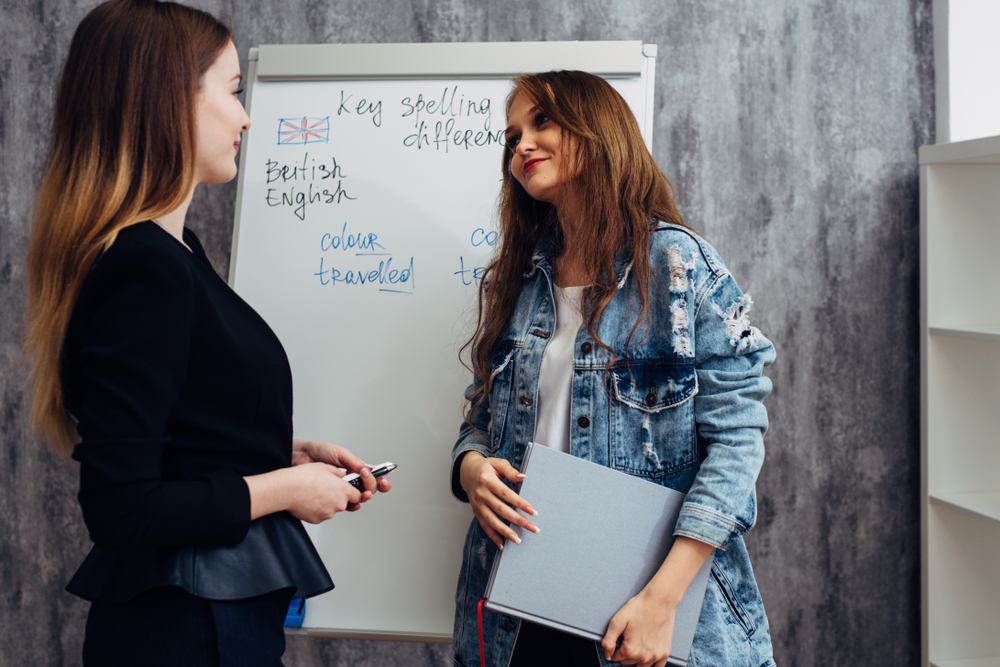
{"x": 681, "y": 407}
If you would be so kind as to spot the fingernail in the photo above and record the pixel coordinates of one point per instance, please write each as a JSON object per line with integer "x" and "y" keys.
{"x": 515, "y": 539}
{"x": 534, "y": 512}
{"x": 365, "y": 473}
{"x": 536, "y": 530}
{"x": 520, "y": 475}
{"x": 501, "y": 546}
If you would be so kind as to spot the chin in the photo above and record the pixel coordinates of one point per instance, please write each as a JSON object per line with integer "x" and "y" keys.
{"x": 542, "y": 196}
{"x": 222, "y": 176}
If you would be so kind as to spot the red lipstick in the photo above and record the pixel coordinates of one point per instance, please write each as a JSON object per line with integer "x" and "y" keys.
{"x": 530, "y": 164}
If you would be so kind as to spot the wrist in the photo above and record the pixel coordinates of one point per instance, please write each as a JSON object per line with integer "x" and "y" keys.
{"x": 663, "y": 593}
{"x": 465, "y": 462}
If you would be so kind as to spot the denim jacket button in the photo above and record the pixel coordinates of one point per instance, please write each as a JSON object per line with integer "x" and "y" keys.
{"x": 526, "y": 401}
{"x": 586, "y": 348}
{"x": 583, "y": 422}
{"x": 651, "y": 398}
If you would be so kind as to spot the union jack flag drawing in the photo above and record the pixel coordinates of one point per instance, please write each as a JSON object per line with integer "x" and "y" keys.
{"x": 303, "y": 130}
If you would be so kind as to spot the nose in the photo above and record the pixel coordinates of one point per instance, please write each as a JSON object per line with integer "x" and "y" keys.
{"x": 246, "y": 122}
{"x": 525, "y": 145}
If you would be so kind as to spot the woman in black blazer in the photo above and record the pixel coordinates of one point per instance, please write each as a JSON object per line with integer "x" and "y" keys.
{"x": 170, "y": 391}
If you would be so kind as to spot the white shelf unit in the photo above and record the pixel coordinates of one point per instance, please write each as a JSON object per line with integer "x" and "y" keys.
{"x": 968, "y": 662}
{"x": 960, "y": 402}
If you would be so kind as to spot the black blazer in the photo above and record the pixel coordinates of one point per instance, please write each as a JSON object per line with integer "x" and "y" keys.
{"x": 180, "y": 389}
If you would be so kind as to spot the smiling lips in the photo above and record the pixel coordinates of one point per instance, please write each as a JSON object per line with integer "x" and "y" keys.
{"x": 531, "y": 164}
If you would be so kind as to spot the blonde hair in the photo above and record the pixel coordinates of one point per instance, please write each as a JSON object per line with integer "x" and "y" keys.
{"x": 122, "y": 151}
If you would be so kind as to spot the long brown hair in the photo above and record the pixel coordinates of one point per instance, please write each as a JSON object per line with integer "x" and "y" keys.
{"x": 123, "y": 151}
{"x": 624, "y": 191}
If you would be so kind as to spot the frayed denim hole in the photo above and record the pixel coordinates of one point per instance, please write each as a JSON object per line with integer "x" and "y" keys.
{"x": 647, "y": 442}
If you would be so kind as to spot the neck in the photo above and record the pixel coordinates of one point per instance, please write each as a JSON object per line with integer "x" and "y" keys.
{"x": 173, "y": 221}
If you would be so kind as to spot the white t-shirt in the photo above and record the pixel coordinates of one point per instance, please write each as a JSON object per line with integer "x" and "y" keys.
{"x": 555, "y": 379}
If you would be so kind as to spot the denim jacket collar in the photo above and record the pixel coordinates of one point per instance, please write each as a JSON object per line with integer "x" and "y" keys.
{"x": 544, "y": 257}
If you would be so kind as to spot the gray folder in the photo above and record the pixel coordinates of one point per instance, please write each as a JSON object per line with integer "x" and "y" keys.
{"x": 604, "y": 534}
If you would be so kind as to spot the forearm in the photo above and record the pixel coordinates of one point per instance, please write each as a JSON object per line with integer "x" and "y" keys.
{"x": 313, "y": 492}
{"x": 671, "y": 581}
{"x": 270, "y": 492}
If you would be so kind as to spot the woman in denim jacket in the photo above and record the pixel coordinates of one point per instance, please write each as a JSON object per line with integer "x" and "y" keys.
{"x": 623, "y": 342}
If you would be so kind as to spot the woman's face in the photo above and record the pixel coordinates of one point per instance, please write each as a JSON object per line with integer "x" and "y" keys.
{"x": 543, "y": 156}
{"x": 221, "y": 119}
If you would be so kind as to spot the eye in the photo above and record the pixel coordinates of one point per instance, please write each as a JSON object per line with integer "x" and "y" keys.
{"x": 540, "y": 119}
{"x": 513, "y": 140}
{"x": 238, "y": 91}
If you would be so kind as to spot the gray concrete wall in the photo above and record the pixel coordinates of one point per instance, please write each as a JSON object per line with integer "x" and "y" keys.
{"x": 791, "y": 129}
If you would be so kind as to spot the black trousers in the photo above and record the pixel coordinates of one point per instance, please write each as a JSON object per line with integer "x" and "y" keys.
{"x": 168, "y": 627}
{"x": 538, "y": 646}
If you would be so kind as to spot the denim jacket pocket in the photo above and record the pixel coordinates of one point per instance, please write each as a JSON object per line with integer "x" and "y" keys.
{"x": 650, "y": 404}
{"x": 732, "y": 595}
{"x": 502, "y": 364}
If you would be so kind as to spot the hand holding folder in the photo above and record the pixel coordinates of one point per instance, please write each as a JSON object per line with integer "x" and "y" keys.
{"x": 595, "y": 553}
{"x": 493, "y": 502}
{"x": 646, "y": 622}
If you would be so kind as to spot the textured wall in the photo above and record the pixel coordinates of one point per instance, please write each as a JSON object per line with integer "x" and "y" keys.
{"x": 791, "y": 128}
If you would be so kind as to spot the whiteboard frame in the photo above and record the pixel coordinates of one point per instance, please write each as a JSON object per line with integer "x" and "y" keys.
{"x": 453, "y": 60}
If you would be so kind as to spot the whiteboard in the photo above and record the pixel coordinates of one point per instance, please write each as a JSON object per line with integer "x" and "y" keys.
{"x": 365, "y": 213}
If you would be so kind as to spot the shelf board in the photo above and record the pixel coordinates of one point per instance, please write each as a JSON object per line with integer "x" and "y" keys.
{"x": 967, "y": 662}
{"x": 974, "y": 151}
{"x": 977, "y": 331}
{"x": 983, "y": 506}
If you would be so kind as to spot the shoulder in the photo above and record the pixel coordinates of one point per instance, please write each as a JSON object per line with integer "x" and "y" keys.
{"x": 675, "y": 248}
{"x": 145, "y": 239}
{"x": 143, "y": 249}
{"x": 143, "y": 268}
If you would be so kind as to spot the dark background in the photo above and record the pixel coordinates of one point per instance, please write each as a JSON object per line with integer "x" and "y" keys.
{"x": 791, "y": 129}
